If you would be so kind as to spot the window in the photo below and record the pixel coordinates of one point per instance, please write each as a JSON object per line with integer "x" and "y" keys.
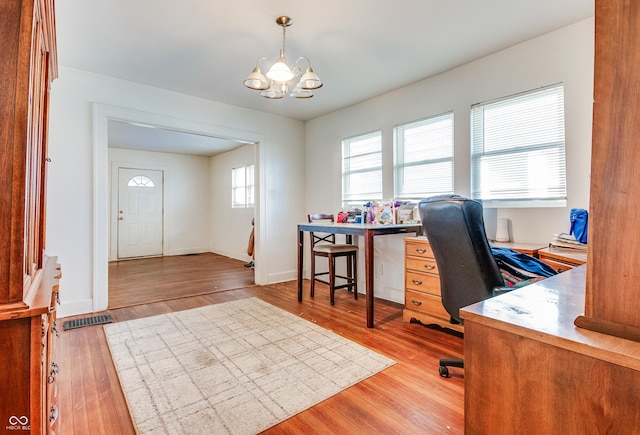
{"x": 242, "y": 187}
{"x": 140, "y": 181}
{"x": 424, "y": 157}
{"x": 518, "y": 150}
{"x": 362, "y": 168}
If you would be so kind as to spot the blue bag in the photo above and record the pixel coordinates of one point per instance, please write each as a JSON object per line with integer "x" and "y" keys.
{"x": 579, "y": 224}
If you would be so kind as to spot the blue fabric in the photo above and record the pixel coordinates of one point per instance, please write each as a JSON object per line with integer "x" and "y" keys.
{"x": 520, "y": 264}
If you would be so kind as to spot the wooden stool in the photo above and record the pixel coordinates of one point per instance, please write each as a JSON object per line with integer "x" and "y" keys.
{"x": 325, "y": 245}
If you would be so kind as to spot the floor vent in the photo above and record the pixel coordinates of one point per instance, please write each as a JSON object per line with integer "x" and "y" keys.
{"x": 86, "y": 321}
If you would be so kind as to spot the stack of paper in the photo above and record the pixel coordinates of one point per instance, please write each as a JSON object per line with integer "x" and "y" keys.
{"x": 567, "y": 241}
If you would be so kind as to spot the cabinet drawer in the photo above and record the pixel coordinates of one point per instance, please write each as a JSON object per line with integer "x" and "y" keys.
{"x": 422, "y": 282}
{"x": 421, "y": 264}
{"x": 418, "y": 248}
{"x": 425, "y": 303}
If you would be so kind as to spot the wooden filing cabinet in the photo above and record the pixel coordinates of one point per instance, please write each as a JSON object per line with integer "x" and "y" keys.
{"x": 422, "y": 299}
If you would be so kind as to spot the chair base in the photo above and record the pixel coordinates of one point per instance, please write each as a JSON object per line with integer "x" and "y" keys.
{"x": 352, "y": 273}
{"x": 351, "y": 285}
{"x": 445, "y": 363}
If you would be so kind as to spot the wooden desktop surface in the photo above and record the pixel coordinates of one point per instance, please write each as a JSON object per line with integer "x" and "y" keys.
{"x": 545, "y": 311}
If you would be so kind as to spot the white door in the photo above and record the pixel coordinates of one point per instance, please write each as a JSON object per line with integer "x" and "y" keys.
{"x": 139, "y": 212}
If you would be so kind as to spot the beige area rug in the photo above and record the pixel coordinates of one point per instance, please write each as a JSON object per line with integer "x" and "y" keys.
{"x": 239, "y": 367}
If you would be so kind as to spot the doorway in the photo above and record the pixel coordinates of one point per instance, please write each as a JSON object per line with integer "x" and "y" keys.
{"x": 104, "y": 247}
{"x": 140, "y": 213}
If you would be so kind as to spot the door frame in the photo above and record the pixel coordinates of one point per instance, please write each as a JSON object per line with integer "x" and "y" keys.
{"x": 101, "y": 202}
{"x": 114, "y": 193}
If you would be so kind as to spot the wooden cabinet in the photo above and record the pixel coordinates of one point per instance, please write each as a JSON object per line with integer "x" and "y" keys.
{"x": 28, "y": 278}
{"x": 422, "y": 299}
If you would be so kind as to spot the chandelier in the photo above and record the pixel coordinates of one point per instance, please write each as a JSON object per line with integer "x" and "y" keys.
{"x": 279, "y": 75}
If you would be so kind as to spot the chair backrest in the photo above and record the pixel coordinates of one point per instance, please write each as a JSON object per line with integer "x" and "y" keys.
{"x": 321, "y": 237}
{"x": 455, "y": 229}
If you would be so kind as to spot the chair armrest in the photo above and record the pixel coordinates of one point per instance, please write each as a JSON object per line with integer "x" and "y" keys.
{"x": 497, "y": 291}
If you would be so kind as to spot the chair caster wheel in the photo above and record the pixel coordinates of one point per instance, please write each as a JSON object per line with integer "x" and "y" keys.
{"x": 444, "y": 371}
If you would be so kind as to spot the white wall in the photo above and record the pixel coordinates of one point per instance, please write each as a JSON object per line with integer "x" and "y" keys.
{"x": 562, "y": 56}
{"x": 78, "y": 170}
{"x": 186, "y": 200}
{"x": 231, "y": 226}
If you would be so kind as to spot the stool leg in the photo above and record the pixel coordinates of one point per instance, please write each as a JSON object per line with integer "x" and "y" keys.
{"x": 354, "y": 258}
{"x": 332, "y": 278}
{"x": 349, "y": 271}
{"x": 313, "y": 274}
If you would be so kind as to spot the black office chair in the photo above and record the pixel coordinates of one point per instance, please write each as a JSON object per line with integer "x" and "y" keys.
{"x": 468, "y": 270}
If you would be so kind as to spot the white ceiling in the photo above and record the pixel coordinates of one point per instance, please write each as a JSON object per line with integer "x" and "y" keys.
{"x": 359, "y": 48}
{"x": 128, "y": 135}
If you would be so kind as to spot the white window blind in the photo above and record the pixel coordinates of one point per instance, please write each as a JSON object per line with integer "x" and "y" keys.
{"x": 362, "y": 168}
{"x": 242, "y": 187}
{"x": 424, "y": 157}
{"x": 518, "y": 150}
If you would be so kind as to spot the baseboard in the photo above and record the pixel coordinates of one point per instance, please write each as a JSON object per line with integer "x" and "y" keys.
{"x": 74, "y": 308}
{"x": 282, "y": 277}
{"x": 188, "y": 251}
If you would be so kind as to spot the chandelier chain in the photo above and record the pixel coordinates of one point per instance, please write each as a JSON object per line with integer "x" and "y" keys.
{"x": 284, "y": 40}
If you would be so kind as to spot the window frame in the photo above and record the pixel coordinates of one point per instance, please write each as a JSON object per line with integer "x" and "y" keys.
{"x": 349, "y": 197}
{"x": 247, "y": 189}
{"x": 522, "y": 156}
{"x": 400, "y": 164}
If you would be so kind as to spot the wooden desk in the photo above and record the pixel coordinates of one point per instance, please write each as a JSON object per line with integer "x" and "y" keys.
{"x": 562, "y": 259}
{"x": 368, "y": 231}
{"x": 522, "y": 351}
{"x": 526, "y": 248}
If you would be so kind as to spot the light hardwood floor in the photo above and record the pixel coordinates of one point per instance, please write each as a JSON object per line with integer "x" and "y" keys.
{"x": 147, "y": 280}
{"x": 407, "y": 398}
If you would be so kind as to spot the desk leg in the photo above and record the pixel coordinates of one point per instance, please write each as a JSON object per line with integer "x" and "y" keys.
{"x": 368, "y": 265}
{"x": 300, "y": 262}
{"x": 349, "y": 240}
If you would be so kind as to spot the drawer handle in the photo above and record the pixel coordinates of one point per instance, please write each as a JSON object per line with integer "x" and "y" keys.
{"x": 416, "y": 282}
{"x": 416, "y": 303}
{"x": 429, "y": 266}
{"x": 420, "y": 250}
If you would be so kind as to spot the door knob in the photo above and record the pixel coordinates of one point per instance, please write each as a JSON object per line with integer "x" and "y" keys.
{"x": 120, "y": 218}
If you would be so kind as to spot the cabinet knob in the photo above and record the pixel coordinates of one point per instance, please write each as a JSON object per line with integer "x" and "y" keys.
{"x": 416, "y": 303}
{"x": 416, "y": 282}
{"x": 429, "y": 266}
{"x": 420, "y": 250}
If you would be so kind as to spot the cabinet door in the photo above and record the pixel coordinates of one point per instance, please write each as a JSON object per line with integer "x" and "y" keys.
{"x": 15, "y": 342}
{"x": 35, "y": 152}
